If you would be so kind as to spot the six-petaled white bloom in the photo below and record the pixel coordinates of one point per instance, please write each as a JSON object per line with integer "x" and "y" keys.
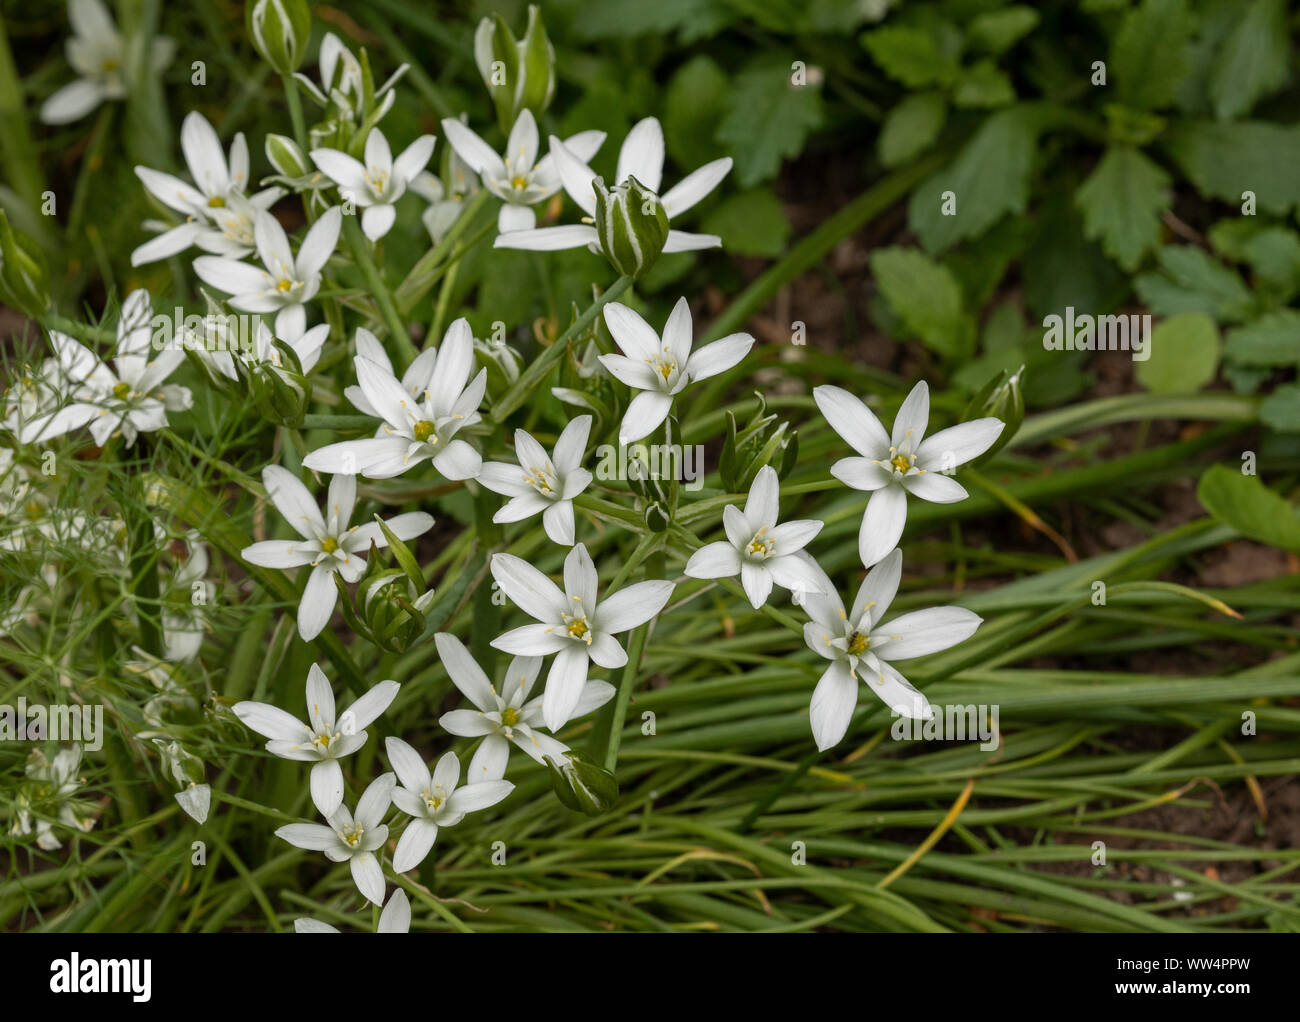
{"x": 323, "y": 741}
{"x": 395, "y": 918}
{"x": 378, "y": 182}
{"x": 287, "y": 281}
{"x": 506, "y": 716}
{"x": 892, "y": 466}
{"x": 660, "y": 367}
{"x": 130, "y": 396}
{"x": 860, "y": 647}
{"x": 641, "y": 157}
{"x": 219, "y": 216}
{"x": 97, "y": 52}
{"x": 328, "y": 543}
{"x": 343, "y": 82}
{"x": 433, "y": 800}
{"x": 518, "y": 178}
{"x": 352, "y": 839}
{"x": 759, "y": 550}
{"x": 571, "y": 625}
{"x": 540, "y": 483}
{"x": 415, "y": 427}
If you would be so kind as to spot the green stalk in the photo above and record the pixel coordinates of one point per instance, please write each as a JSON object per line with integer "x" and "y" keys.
{"x": 294, "y": 99}
{"x": 360, "y": 249}
{"x": 22, "y": 168}
{"x": 541, "y": 365}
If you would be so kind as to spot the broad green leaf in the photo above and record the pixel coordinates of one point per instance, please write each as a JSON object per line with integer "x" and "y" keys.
{"x": 925, "y": 297}
{"x": 750, "y": 224}
{"x": 768, "y": 117}
{"x": 1281, "y": 409}
{"x": 988, "y": 179}
{"x": 1253, "y": 60}
{"x": 983, "y": 84}
{"x": 1121, "y": 202}
{"x": 910, "y": 55}
{"x": 997, "y": 31}
{"x": 1224, "y": 161}
{"x": 694, "y": 103}
{"x": 1272, "y": 340}
{"x": 1193, "y": 281}
{"x": 1149, "y": 55}
{"x": 1061, "y": 267}
{"x": 911, "y": 127}
{"x": 1184, "y": 355}
{"x": 1249, "y": 506}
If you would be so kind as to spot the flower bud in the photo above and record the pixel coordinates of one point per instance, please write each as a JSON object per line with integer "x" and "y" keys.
{"x": 502, "y": 363}
{"x": 279, "y": 30}
{"x": 631, "y": 225}
{"x": 393, "y": 610}
{"x": 1002, "y": 398}
{"x": 519, "y": 74}
{"x": 281, "y": 393}
{"x": 764, "y": 441}
{"x": 24, "y": 283}
{"x": 286, "y": 157}
{"x": 582, "y": 786}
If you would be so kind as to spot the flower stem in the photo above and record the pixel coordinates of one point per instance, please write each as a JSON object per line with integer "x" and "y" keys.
{"x": 360, "y": 249}
{"x": 541, "y": 365}
{"x": 294, "y": 100}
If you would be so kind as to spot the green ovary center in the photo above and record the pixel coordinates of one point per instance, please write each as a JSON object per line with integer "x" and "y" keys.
{"x": 284, "y": 286}
{"x": 423, "y": 430}
{"x": 510, "y": 716}
{"x": 329, "y": 544}
{"x": 578, "y": 627}
{"x": 352, "y": 835}
{"x": 121, "y": 391}
{"x": 901, "y": 462}
{"x": 858, "y": 644}
{"x": 518, "y": 182}
{"x": 216, "y": 202}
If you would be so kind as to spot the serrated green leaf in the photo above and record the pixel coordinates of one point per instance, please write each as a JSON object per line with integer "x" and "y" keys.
{"x": 1194, "y": 281}
{"x": 1149, "y": 55}
{"x": 997, "y": 31}
{"x": 1184, "y": 355}
{"x": 989, "y": 178}
{"x": 983, "y": 85}
{"x": 1121, "y": 203}
{"x": 911, "y": 55}
{"x": 767, "y": 119}
{"x": 1250, "y": 507}
{"x": 1252, "y": 62}
{"x": 926, "y": 298}
{"x": 911, "y": 127}
{"x": 1225, "y": 160}
{"x": 1281, "y": 409}
{"x": 1272, "y": 340}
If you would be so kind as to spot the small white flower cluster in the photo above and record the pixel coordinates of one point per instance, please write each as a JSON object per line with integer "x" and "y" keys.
{"x": 428, "y": 414}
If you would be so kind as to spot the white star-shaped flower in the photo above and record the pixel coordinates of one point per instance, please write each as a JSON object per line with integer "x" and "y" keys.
{"x": 433, "y": 800}
{"x": 661, "y": 367}
{"x": 328, "y": 543}
{"x": 892, "y": 466}
{"x": 539, "y": 482}
{"x": 325, "y": 739}
{"x": 759, "y": 550}
{"x": 517, "y": 177}
{"x": 508, "y": 716}
{"x": 860, "y": 648}
{"x": 571, "y": 624}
